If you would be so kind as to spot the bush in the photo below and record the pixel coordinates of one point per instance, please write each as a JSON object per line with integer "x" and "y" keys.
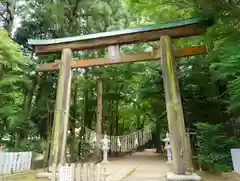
{"x": 214, "y": 147}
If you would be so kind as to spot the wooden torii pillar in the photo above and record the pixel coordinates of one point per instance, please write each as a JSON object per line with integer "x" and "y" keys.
{"x": 61, "y": 116}
{"x": 173, "y": 105}
{"x": 176, "y": 124}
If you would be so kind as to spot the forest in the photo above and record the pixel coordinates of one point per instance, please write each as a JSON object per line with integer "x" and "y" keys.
{"x": 133, "y": 94}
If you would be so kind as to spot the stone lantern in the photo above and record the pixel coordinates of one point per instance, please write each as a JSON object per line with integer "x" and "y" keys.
{"x": 168, "y": 148}
{"x": 105, "y": 142}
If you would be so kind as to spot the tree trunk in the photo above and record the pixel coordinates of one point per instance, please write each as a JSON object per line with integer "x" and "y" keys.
{"x": 117, "y": 124}
{"x": 110, "y": 122}
{"x": 85, "y": 115}
{"x": 138, "y": 126}
{"x": 48, "y": 142}
{"x": 99, "y": 122}
{"x": 11, "y": 4}
{"x": 113, "y": 130}
{"x": 157, "y": 139}
{"x": 73, "y": 122}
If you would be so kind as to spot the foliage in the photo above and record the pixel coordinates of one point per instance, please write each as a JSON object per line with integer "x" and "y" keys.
{"x": 86, "y": 149}
{"x": 214, "y": 147}
{"x": 11, "y": 57}
{"x": 14, "y": 81}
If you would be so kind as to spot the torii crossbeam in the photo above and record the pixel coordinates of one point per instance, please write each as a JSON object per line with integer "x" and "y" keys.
{"x": 115, "y": 39}
{"x": 140, "y": 57}
{"x": 176, "y": 29}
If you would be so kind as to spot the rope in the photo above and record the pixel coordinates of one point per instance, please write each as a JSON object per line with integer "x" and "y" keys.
{"x": 121, "y": 143}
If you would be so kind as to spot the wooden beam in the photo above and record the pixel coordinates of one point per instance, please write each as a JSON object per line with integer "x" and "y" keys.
{"x": 174, "y": 106}
{"x": 145, "y": 56}
{"x": 114, "y": 52}
{"x": 175, "y": 29}
{"x": 178, "y": 32}
{"x": 61, "y": 109}
{"x": 67, "y": 57}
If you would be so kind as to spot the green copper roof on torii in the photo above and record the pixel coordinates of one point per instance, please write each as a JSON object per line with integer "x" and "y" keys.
{"x": 173, "y": 24}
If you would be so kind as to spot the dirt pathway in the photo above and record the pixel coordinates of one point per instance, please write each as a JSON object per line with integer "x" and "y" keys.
{"x": 149, "y": 166}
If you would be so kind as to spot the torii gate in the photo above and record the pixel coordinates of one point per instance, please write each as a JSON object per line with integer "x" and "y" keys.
{"x": 114, "y": 39}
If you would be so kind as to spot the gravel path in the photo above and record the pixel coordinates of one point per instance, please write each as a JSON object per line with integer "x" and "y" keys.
{"x": 144, "y": 166}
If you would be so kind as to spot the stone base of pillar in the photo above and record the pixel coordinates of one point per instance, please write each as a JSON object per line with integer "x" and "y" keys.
{"x": 105, "y": 162}
{"x": 44, "y": 175}
{"x": 169, "y": 162}
{"x": 175, "y": 177}
{"x": 50, "y": 168}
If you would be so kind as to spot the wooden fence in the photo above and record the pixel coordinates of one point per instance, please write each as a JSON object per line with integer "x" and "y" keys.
{"x": 82, "y": 172}
{"x": 13, "y": 162}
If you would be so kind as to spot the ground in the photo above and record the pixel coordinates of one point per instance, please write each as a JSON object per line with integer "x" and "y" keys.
{"x": 141, "y": 166}
{"x": 30, "y": 176}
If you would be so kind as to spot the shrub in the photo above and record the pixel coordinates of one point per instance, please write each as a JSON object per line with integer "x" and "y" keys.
{"x": 214, "y": 147}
